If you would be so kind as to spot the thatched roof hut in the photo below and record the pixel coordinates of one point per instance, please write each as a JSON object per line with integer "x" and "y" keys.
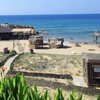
{"x": 12, "y": 28}
{"x": 10, "y": 31}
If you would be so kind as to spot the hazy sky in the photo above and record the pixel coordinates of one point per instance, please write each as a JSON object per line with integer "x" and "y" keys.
{"x": 21, "y": 7}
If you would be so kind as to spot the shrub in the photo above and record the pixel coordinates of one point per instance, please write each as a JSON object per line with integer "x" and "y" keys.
{"x": 13, "y": 52}
{"x": 74, "y": 96}
{"x": 98, "y": 97}
{"x": 59, "y": 95}
{"x": 2, "y": 62}
{"x": 15, "y": 88}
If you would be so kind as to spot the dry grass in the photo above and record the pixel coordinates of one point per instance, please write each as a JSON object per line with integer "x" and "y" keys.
{"x": 50, "y": 63}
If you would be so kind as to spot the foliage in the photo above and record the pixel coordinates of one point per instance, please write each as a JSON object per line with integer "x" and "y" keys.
{"x": 13, "y": 52}
{"x": 98, "y": 97}
{"x": 4, "y": 58}
{"x": 74, "y": 96}
{"x": 59, "y": 95}
{"x": 15, "y": 88}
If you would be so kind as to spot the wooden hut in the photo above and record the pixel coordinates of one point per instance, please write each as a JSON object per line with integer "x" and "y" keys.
{"x": 35, "y": 42}
{"x": 11, "y": 32}
{"x": 56, "y": 43}
{"x": 91, "y": 72}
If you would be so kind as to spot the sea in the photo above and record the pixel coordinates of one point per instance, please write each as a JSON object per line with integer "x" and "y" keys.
{"x": 71, "y": 27}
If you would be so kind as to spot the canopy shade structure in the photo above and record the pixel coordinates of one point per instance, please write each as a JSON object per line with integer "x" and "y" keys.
{"x": 12, "y": 31}
{"x": 96, "y": 35}
{"x": 24, "y": 30}
{"x": 9, "y": 29}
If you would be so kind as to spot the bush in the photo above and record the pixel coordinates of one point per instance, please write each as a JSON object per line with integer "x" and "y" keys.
{"x": 5, "y": 59}
{"x": 13, "y": 52}
{"x": 15, "y": 88}
{"x": 59, "y": 95}
{"x": 74, "y": 96}
{"x": 8, "y": 55}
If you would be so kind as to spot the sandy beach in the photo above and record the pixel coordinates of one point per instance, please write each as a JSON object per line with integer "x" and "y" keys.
{"x": 70, "y": 48}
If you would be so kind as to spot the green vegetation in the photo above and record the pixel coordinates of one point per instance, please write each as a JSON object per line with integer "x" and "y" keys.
{"x": 15, "y": 88}
{"x": 13, "y": 52}
{"x": 5, "y": 57}
{"x": 74, "y": 96}
{"x": 59, "y": 95}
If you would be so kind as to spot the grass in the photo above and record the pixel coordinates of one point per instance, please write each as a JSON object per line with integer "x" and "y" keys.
{"x": 3, "y": 57}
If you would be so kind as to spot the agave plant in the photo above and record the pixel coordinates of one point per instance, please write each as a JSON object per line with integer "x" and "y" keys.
{"x": 59, "y": 95}
{"x": 98, "y": 97}
{"x": 74, "y": 96}
{"x": 15, "y": 88}
{"x": 35, "y": 95}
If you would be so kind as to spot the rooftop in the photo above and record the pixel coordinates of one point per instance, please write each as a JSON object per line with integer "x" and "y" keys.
{"x": 7, "y": 28}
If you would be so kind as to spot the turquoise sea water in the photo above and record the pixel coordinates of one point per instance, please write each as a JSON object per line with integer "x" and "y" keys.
{"x": 72, "y": 28}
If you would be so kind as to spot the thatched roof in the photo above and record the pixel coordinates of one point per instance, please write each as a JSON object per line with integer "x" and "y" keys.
{"x": 9, "y": 29}
{"x": 24, "y": 30}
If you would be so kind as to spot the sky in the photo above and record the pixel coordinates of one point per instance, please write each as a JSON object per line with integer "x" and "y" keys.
{"x": 34, "y": 7}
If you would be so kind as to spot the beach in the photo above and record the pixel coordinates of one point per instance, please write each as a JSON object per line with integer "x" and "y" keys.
{"x": 70, "y": 48}
{"x": 65, "y": 61}
{"x": 45, "y": 62}
{"x": 50, "y": 50}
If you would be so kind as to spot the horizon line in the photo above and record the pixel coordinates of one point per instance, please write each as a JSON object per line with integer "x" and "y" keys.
{"x": 49, "y": 14}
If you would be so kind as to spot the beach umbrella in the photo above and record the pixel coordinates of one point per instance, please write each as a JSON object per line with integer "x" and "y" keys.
{"x": 96, "y": 35}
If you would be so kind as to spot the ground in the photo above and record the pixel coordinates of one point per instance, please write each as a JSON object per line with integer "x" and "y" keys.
{"x": 55, "y": 64}
{"x": 50, "y": 63}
